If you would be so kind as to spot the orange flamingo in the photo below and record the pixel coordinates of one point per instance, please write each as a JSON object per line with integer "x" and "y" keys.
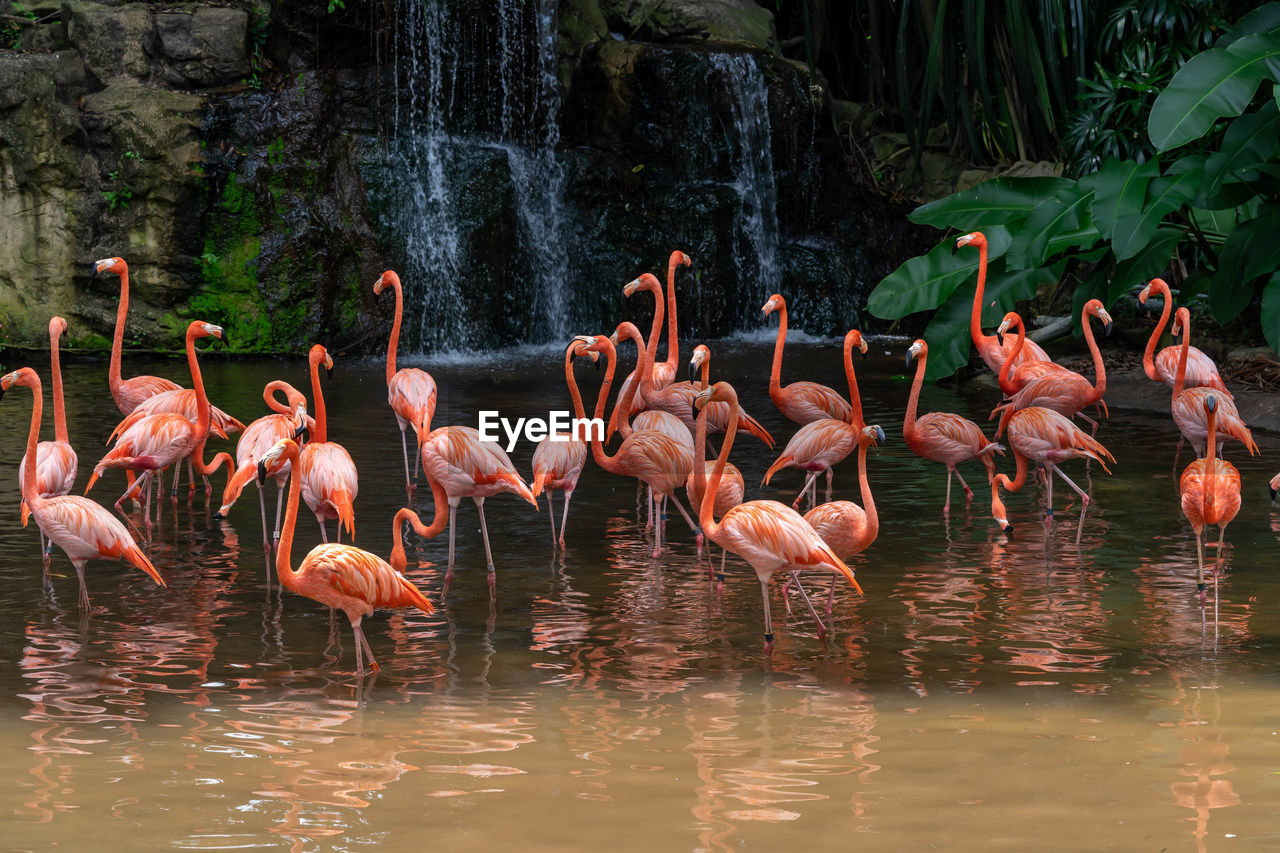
{"x": 329, "y": 478}
{"x": 287, "y": 420}
{"x": 557, "y": 464}
{"x": 56, "y": 460}
{"x": 1012, "y": 381}
{"x": 1188, "y": 403}
{"x": 653, "y": 457}
{"x": 1274, "y": 485}
{"x": 658, "y": 373}
{"x": 1163, "y": 367}
{"x": 1210, "y": 495}
{"x": 399, "y": 561}
{"x": 80, "y": 527}
{"x": 163, "y": 439}
{"x": 801, "y": 402}
{"x": 942, "y": 436}
{"x": 668, "y": 369}
{"x": 677, "y": 399}
{"x": 1065, "y": 391}
{"x": 992, "y": 350}
{"x": 455, "y": 459}
{"x": 180, "y": 402}
{"x": 821, "y": 444}
{"x": 768, "y": 535}
{"x": 127, "y": 393}
{"x": 410, "y": 391}
{"x": 340, "y": 576}
{"x": 1046, "y": 438}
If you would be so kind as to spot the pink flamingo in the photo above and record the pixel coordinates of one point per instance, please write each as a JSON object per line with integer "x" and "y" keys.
{"x": 767, "y": 534}
{"x": 1274, "y": 485}
{"x": 1201, "y": 371}
{"x": 181, "y": 401}
{"x": 677, "y": 399}
{"x": 650, "y": 283}
{"x": 1046, "y": 438}
{"x": 1012, "y": 381}
{"x": 329, "y": 478}
{"x": 655, "y": 458}
{"x": 802, "y": 402}
{"x": 410, "y": 391}
{"x": 992, "y": 350}
{"x": 287, "y": 420}
{"x": 942, "y": 436}
{"x": 341, "y": 576}
{"x": 1188, "y": 403}
{"x": 557, "y": 464}
{"x": 820, "y": 444}
{"x": 1210, "y": 495}
{"x": 163, "y": 439}
{"x": 127, "y": 393}
{"x": 667, "y": 370}
{"x": 455, "y": 459}
{"x": 80, "y": 527}
{"x": 1065, "y": 391}
{"x": 56, "y": 460}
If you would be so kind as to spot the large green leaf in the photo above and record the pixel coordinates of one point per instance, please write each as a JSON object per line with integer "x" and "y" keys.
{"x": 1260, "y": 20}
{"x": 948, "y": 333}
{"x": 1271, "y": 311}
{"x": 1144, "y": 266}
{"x": 1122, "y": 188}
{"x": 925, "y": 282}
{"x": 1005, "y": 288}
{"x": 1250, "y": 140}
{"x": 1164, "y": 195}
{"x": 1212, "y": 85}
{"x": 1215, "y": 224}
{"x": 1001, "y": 201}
{"x": 1251, "y": 251}
{"x": 1055, "y": 224}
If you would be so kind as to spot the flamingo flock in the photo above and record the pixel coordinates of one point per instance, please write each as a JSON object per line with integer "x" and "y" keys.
{"x": 665, "y": 428}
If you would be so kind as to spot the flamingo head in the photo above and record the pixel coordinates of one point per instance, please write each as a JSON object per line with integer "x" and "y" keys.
{"x": 774, "y": 303}
{"x": 115, "y": 265}
{"x": 1210, "y": 403}
{"x": 870, "y": 435}
{"x": 853, "y": 338}
{"x": 1181, "y": 320}
{"x": 596, "y": 344}
{"x": 319, "y": 356}
{"x": 1275, "y": 486}
{"x": 647, "y": 281}
{"x": 919, "y": 348}
{"x": 284, "y": 450}
{"x": 1094, "y": 308}
{"x": 1156, "y": 285}
{"x": 387, "y": 279}
{"x": 976, "y": 238}
{"x": 201, "y": 329}
{"x": 998, "y": 511}
{"x": 721, "y": 392}
{"x": 1011, "y": 319}
{"x": 578, "y": 348}
{"x": 700, "y": 356}
{"x": 680, "y": 258}
{"x": 57, "y": 328}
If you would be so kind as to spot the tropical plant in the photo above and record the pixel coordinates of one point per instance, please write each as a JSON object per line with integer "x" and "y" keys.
{"x": 1210, "y": 197}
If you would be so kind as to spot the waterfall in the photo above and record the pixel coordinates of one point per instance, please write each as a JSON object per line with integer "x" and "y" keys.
{"x": 477, "y": 108}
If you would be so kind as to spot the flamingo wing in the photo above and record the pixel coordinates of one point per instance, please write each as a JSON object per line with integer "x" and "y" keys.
{"x": 841, "y": 524}
{"x": 1201, "y": 370}
{"x": 412, "y": 395}
{"x": 804, "y": 402}
{"x": 770, "y": 536}
{"x": 948, "y": 438}
{"x": 343, "y": 576}
{"x": 1043, "y": 435}
{"x": 86, "y": 531}
{"x": 1188, "y": 410}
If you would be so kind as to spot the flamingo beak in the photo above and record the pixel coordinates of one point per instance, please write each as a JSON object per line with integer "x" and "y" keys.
{"x": 93, "y": 270}
{"x": 910, "y": 355}
{"x": 1106, "y": 329}
{"x": 302, "y": 433}
{"x": 1008, "y": 529}
{"x": 262, "y": 472}
{"x": 226, "y": 339}
{"x": 879, "y": 434}
{"x": 693, "y": 371}
{"x": 1273, "y": 491}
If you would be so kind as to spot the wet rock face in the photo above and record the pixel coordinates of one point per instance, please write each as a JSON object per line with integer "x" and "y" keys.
{"x": 203, "y": 46}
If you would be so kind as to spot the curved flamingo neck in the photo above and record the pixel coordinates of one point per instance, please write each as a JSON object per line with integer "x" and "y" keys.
{"x": 59, "y": 409}
{"x": 1184, "y": 317}
{"x": 655, "y": 332}
{"x": 644, "y": 379}
{"x": 395, "y": 332}
{"x": 321, "y": 431}
{"x": 30, "y": 491}
{"x": 288, "y": 577}
{"x": 1210, "y": 463}
{"x": 775, "y": 375}
{"x": 909, "y": 423}
{"x": 273, "y": 402}
{"x": 1020, "y": 473}
{"x": 975, "y": 318}
{"x": 605, "y": 461}
{"x": 673, "y": 334}
{"x": 117, "y": 343}
{"x": 441, "y": 509}
{"x": 202, "y": 411}
{"x": 1007, "y": 368}
{"x": 872, "y": 528}
{"x": 1149, "y": 354}
{"x": 705, "y": 512}
{"x": 1099, "y": 369}
{"x": 855, "y": 399}
{"x": 706, "y": 374}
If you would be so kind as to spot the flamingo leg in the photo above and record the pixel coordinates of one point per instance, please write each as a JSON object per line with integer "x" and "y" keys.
{"x": 324, "y": 537}
{"x": 453, "y": 521}
{"x": 720, "y": 579}
{"x": 786, "y": 594}
{"x": 362, "y": 643}
{"x": 404, "y": 445}
{"x": 1217, "y": 565}
{"x": 262, "y": 508}
{"x": 551, "y": 511}
{"x": 1084, "y": 498}
{"x": 84, "y": 591}
{"x": 946, "y": 507}
{"x": 191, "y": 478}
{"x": 813, "y": 475}
{"x": 1200, "y": 586}
{"x": 831, "y": 595}
{"x": 968, "y": 492}
{"x": 355, "y": 629}
{"x": 822, "y": 628}
{"x": 693, "y": 525}
{"x": 568, "y": 493}
{"x": 492, "y": 576}
{"x": 279, "y": 499}
{"x": 768, "y": 621}
{"x": 657, "y": 536}
{"x": 830, "y": 475}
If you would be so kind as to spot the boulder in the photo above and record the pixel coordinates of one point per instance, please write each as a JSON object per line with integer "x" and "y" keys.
{"x": 114, "y": 40}
{"x": 203, "y": 46}
{"x": 733, "y": 23}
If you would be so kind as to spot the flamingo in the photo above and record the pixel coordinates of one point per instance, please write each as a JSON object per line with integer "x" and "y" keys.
{"x": 942, "y": 436}
{"x": 1012, "y": 381}
{"x": 56, "y": 460}
{"x": 329, "y": 478}
{"x": 181, "y": 401}
{"x": 127, "y": 393}
{"x": 157, "y": 441}
{"x": 1046, "y": 438}
{"x": 287, "y": 420}
{"x": 1065, "y": 391}
{"x": 801, "y": 402}
{"x": 653, "y": 457}
{"x": 992, "y": 350}
{"x": 77, "y": 525}
{"x": 659, "y": 374}
{"x": 340, "y": 576}
{"x": 1188, "y": 403}
{"x": 668, "y": 369}
{"x": 677, "y": 399}
{"x": 1164, "y": 367}
{"x": 1274, "y": 485}
{"x": 768, "y": 535}
{"x": 557, "y": 464}
{"x": 820, "y": 444}
{"x": 455, "y": 459}
{"x": 1210, "y": 495}
{"x": 410, "y": 391}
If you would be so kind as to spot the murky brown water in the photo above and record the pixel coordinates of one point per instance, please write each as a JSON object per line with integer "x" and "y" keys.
{"x": 1013, "y": 694}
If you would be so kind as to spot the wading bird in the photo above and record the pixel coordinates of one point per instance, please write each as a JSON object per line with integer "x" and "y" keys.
{"x": 942, "y": 436}
{"x": 1011, "y": 381}
{"x": 80, "y": 527}
{"x": 1163, "y": 367}
{"x": 647, "y": 282}
{"x": 677, "y": 399}
{"x": 558, "y": 464}
{"x": 801, "y": 402}
{"x": 127, "y": 393}
{"x": 410, "y": 391}
{"x": 992, "y": 350}
{"x": 1188, "y": 403}
{"x": 329, "y": 478}
{"x": 56, "y": 460}
{"x": 340, "y": 576}
{"x": 1210, "y": 495}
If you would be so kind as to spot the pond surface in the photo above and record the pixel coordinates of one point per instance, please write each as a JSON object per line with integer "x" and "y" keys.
{"x": 988, "y": 692}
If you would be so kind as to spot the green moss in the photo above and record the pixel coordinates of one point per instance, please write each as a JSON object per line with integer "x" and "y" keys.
{"x": 88, "y": 341}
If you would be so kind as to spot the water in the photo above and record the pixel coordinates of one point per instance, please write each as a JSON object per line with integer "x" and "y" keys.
{"x": 988, "y": 692}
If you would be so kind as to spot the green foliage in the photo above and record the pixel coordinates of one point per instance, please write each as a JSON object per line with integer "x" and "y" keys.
{"x": 118, "y": 198}
{"x": 1210, "y": 197}
{"x": 12, "y": 24}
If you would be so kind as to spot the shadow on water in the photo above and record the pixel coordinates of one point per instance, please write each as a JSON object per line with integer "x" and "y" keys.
{"x": 988, "y": 688}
